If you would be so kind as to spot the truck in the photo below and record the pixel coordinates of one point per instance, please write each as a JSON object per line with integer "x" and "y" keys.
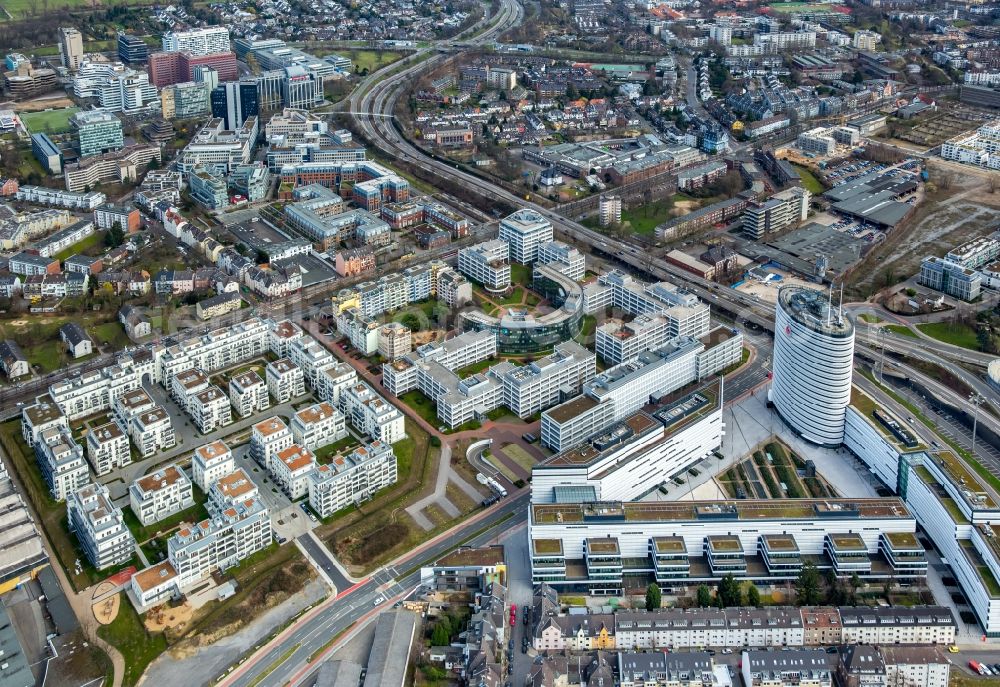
{"x": 976, "y": 667}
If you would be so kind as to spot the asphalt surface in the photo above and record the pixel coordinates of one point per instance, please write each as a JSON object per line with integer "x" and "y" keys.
{"x": 286, "y": 659}
{"x": 321, "y": 557}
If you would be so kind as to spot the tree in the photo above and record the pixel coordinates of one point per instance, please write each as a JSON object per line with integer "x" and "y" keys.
{"x": 115, "y": 236}
{"x": 855, "y": 582}
{"x": 730, "y": 592}
{"x": 441, "y": 634}
{"x": 704, "y": 596}
{"x": 753, "y": 596}
{"x": 653, "y": 597}
{"x": 807, "y": 586}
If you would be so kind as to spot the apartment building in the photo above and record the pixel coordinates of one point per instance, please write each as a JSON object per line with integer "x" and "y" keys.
{"x": 108, "y": 448}
{"x": 525, "y": 230}
{"x": 318, "y": 425}
{"x": 371, "y": 414}
{"x": 290, "y": 470}
{"x": 785, "y": 668}
{"x": 184, "y": 385}
{"x": 161, "y": 494}
{"x": 229, "y": 536}
{"x": 361, "y": 330}
{"x": 99, "y": 526}
{"x": 248, "y": 393}
{"x": 453, "y": 288}
{"x": 205, "y": 41}
{"x": 333, "y": 380}
{"x": 216, "y": 350}
{"x": 564, "y": 258}
{"x": 61, "y": 461}
{"x": 210, "y": 409}
{"x": 210, "y": 463}
{"x": 394, "y": 340}
{"x": 351, "y": 479}
{"x": 285, "y": 380}
{"x": 41, "y": 415}
{"x": 232, "y": 488}
{"x": 312, "y": 357}
{"x": 152, "y": 431}
{"x": 268, "y": 438}
{"x": 281, "y": 335}
{"x": 97, "y": 131}
{"x": 487, "y": 263}
{"x": 131, "y": 403}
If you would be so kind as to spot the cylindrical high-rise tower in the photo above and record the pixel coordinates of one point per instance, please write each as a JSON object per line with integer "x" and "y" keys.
{"x": 813, "y": 362}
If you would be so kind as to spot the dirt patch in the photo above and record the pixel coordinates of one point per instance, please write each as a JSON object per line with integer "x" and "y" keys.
{"x": 959, "y": 212}
{"x": 167, "y": 618}
{"x": 363, "y": 549}
{"x": 106, "y": 611}
{"x": 102, "y": 589}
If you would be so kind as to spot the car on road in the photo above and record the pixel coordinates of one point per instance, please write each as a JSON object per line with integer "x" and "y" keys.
{"x": 953, "y": 649}
{"x": 379, "y": 600}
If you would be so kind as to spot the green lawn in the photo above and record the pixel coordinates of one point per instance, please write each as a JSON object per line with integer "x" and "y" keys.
{"x": 370, "y": 59}
{"x": 48, "y": 121}
{"x": 901, "y": 330}
{"x": 645, "y": 218}
{"x": 516, "y": 297}
{"x": 870, "y": 319}
{"x": 955, "y": 334}
{"x": 325, "y": 454}
{"x": 92, "y": 245}
{"x": 476, "y": 367}
{"x": 195, "y": 513}
{"x": 111, "y": 333}
{"x": 48, "y": 356}
{"x": 424, "y": 406}
{"x": 809, "y": 181}
{"x": 138, "y": 647}
{"x": 520, "y": 274}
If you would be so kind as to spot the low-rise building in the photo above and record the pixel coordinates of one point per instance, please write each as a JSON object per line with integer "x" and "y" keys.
{"x": 13, "y": 362}
{"x": 108, "y": 448}
{"x": 77, "y": 342}
{"x": 161, "y": 494}
{"x": 787, "y": 668}
{"x": 219, "y": 305}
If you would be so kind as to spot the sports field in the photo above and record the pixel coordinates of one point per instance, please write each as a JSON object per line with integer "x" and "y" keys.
{"x": 49, "y": 121}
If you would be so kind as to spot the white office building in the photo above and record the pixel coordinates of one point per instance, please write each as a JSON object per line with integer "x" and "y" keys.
{"x": 564, "y": 258}
{"x": 487, "y": 263}
{"x": 525, "y": 230}
{"x": 813, "y": 363}
{"x": 455, "y": 353}
{"x": 534, "y": 387}
{"x": 636, "y": 455}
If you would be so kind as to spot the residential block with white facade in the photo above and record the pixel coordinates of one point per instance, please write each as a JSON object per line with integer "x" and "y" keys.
{"x": 210, "y": 463}
{"x": 351, "y": 479}
{"x": 285, "y": 380}
{"x": 161, "y": 494}
{"x": 99, "y": 526}
{"x": 318, "y": 425}
{"x": 108, "y": 448}
{"x": 248, "y": 393}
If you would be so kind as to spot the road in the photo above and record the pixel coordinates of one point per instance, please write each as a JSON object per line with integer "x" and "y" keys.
{"x": 286, "y": 660}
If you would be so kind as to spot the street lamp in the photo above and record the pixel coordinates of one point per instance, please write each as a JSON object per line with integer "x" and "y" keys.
{"x": 976, "y": 399}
